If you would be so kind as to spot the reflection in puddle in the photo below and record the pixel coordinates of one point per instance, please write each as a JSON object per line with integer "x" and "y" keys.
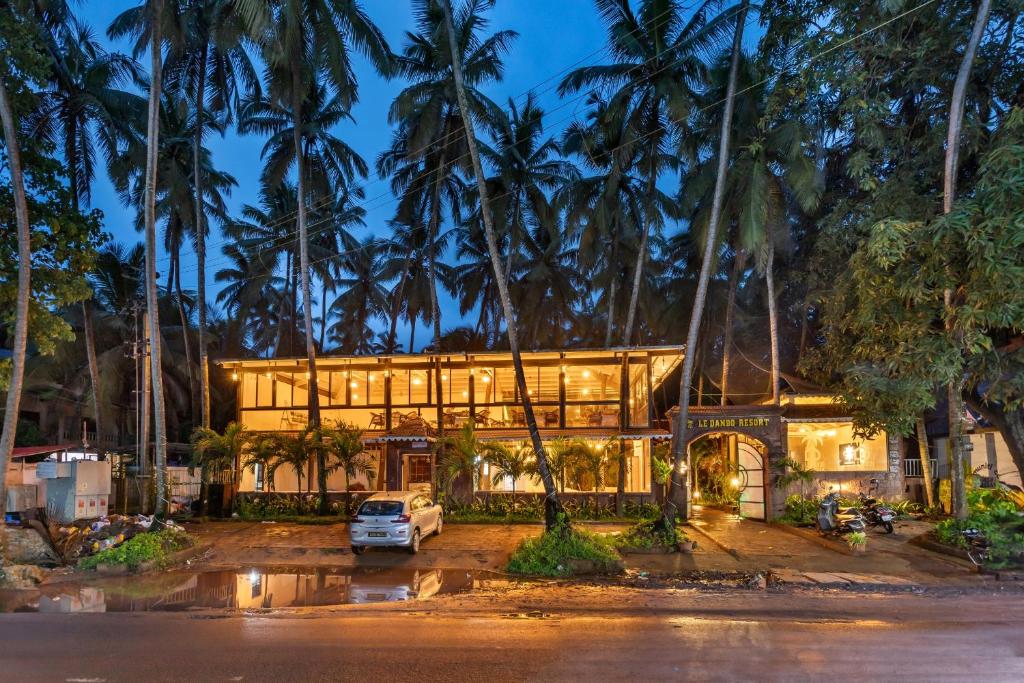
{"x": 257, "y": 588}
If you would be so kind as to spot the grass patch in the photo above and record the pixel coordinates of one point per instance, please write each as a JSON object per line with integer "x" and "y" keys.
{"x": 997, "y": 515}
{"x": 649, "y": 534}
{"x": 146, "y": 547}
{"x": 559, "y": 552}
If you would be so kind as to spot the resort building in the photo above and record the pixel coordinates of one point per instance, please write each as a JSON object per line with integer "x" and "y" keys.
{"x": 402, "y": 403}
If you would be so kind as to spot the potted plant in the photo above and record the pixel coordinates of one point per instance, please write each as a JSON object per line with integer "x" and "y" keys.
{"x": 858, "y": 542}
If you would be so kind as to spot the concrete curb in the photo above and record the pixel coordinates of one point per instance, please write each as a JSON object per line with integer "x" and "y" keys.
{"x": 732, "y": 551}
{"x": 813, "y": 537}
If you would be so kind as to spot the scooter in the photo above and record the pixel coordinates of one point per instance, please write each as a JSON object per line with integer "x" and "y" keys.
{"x": 876, "y": 514}
{"x": 831, "y": 519}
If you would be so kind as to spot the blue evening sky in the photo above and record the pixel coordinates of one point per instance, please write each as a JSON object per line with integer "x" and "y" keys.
{"x": 553, "y": 36}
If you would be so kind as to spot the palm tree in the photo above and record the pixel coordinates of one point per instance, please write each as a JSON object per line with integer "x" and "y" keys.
{"x": 156, "y": 28}
{"x": 430, "y": 121}
{"x": 772, "y": 168}
{"x": 83, "y": 102}
{"x": 216, "y": 452}
{"x": 306, "y": 46}
{"x": 214, "y": 61}
{"x": 262, "y": 451}
{"x": 362, "y": 299}
{"x": 510, "y": 462}
{"x": 345, "y": 451}
{"x": 459, "y": 456}
{"x": 656, "y": 74}
{"x": 526, "y": 170}
{"x": 677, "y": 498}
{"x": 554, "y": 514}
{"x": 20, "y": 341}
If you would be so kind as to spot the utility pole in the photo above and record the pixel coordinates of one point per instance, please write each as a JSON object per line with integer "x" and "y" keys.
{"x": 138, "y": 351}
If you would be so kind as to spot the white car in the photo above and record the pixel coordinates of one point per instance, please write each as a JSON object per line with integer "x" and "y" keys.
{"x": 395, "y": 518}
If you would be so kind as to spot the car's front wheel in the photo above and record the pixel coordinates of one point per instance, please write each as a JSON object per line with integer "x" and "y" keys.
{"x": 358, "y": 549}
{"x": 414, "y": 542}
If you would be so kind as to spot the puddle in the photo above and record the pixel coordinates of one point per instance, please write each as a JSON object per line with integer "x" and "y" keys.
{"x": 256, "y": 588}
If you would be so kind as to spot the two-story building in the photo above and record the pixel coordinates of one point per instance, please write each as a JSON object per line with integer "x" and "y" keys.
{"x": 402, "y": 402}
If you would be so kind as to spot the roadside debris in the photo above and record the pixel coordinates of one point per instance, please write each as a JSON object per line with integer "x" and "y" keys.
{"x": 84, "y": 538}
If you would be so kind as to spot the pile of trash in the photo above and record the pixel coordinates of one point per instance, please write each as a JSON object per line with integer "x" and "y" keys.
{"x": 83, "y": 538}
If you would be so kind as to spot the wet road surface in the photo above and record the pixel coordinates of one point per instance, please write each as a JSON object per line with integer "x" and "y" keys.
{"x": 554, "y": 633}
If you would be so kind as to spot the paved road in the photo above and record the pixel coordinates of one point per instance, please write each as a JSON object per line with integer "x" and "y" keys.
{"x": 584, "y": 634}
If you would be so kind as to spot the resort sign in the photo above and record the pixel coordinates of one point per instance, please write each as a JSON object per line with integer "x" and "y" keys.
{"x": 727, "y": 422}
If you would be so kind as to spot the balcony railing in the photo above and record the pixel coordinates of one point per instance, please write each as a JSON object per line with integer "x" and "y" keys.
{"x": 912, "y": 467}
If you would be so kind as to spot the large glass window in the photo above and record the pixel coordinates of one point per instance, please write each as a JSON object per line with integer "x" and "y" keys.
{"x": 639, "y": 395}
{"x": 832, "y": 447}
{"x": 455, "y": 383}
{"x": 283, "y": 387}
{"x": 410, "y": 387}
{"x": 337, "y": 380}
{"x": 592, "y": 383}
{"x": 249, "y": 390}
{"x": 264, "y": 390}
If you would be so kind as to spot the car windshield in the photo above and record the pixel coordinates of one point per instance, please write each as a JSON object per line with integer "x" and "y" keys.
{"x": 381, "y": 507}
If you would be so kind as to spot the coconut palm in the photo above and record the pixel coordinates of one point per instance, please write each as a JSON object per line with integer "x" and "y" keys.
{"x": 306, "y": 50}
{"x": 554, "y": 514}
{"x": 677, "y": 498}
{"x": 217, "y": 452}
{"x": 656, "y": 73}
{"x": 154, "y": 25}
{"x": 213, "y": 68}
{"x": 509, "y": 462}
{"x": 362, "y": 299}
{"x": 459, "y": 458}
{"x": 346, "y": 453}
{"x": 83, "y": 102}
{"x": 430, "y": 122}
{"x": 262, "y": 452}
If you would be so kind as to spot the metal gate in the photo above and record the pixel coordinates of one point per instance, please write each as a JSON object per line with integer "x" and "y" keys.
{"x": 751, "y": 484}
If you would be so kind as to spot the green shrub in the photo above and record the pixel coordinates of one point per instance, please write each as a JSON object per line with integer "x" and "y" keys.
{"x": 997, "y": 516}
{"x": 800, "y": 511}
{"x": 649, "y": 534}
{"x": 145, "y": 547}
{"x": 551, "y": 553}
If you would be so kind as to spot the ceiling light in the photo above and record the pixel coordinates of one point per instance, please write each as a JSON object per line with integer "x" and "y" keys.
{"x": 585, "y": 391}
{"x": 444, "y": 377}
{"x": 353, "y": 384}
{"x": 586, "y": 374}
{"x": 234, "y": 376}
{"x": 486, "y": 379}
{"x": 355, "y": 397}
{"x": 416, "y": 381}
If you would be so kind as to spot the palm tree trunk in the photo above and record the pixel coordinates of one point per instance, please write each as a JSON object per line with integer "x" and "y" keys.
{"x": 553, "y": 511}
{"x": 189, "y": 364}
{"x": 197, "y": 146}
{"x": 675, "y": 502}
{"x": 435, "y": 222}
{"x": 954, "y": 392}
{"x": 739, "y": 264}
{"x": 412, "y": 334}
{"x": 152, "y": 304}
{"x": 926, "y": 463}
{"x": 307, "y": 297}
{"x": 323, "y": 315}
{"x": 283, "y": 308}
{"x": 773, "y": 317}
{"x": 94, "y": 372}
{"x": 24, "y": 292}
{"x": 512, "y": 245}
{"x": 396, "y": 305}
{"x": 613, "y": 288}
{"x": 641, "y": 256}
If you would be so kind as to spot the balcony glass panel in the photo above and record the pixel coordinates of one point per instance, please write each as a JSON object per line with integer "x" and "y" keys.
{"x": 264, "y": 390}
{"x": 283, "y": 389}
{"x": 248, "y": 399}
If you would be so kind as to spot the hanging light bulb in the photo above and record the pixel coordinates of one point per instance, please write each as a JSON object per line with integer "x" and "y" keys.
{"x": 586, "y": 374}
{"x": 353, "y": 384}
{"x": 234, "y": 376}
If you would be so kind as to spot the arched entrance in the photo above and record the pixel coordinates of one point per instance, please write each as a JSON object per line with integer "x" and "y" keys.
{"x": 729, "y": 467}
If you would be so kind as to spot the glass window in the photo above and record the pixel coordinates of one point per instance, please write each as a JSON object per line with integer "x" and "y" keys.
{"x": 832, "y": 447}
{"x": 639, "y": 395}
{"x": 374, "y": 387}
{"x": 249, "y": 390}
{"x": 419, "y": 386}
{"x": 592, "y": 383}
{"x": 358, "y": 387}
{"x": 300, "y": 388}
{"x": 456, "y": 386}
{"x": 381, "y": 508}
{"x": 337, "y": 380}
{"x": 400, "y": 388}
{"x": 283, "y": 387}
{"x": 495, "y": 385}
{"x": 264, "y": 391}
{"x": 546, "y": 388}
{"x": 606, "y": 415}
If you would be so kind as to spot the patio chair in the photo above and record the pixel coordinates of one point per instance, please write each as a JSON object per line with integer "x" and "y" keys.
{"x": 551, "y": 418}
{"x": 377, "y": 421}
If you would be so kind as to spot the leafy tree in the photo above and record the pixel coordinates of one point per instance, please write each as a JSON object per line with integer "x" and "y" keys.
{"x": 459, "y": 457}
{"x": 217, "y": 452}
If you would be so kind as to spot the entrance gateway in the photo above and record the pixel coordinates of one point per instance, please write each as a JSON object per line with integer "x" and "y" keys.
{"x": 756, "y": 440}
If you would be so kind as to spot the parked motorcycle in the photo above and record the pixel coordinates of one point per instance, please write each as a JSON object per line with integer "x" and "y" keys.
{"x": 832, "y": 519}
{"x": 876, "y": 513}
